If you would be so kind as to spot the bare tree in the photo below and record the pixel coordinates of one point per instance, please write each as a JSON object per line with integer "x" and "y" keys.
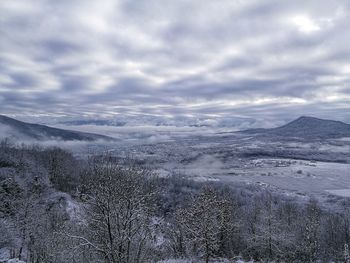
{"x": 62, "y": 169}
{"x": 346, "y": 253}
{"x": 203, "y": 222}
{"x": 311, "y": 231}
{"x": 119, "y": 209}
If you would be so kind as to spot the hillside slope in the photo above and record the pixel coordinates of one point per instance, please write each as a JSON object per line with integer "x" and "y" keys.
{"x": 13, "y": 128}
{"x": 307, "y": 127}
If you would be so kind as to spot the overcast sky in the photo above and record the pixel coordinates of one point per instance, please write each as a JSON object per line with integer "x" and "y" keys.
{"x": 271, "y": 59}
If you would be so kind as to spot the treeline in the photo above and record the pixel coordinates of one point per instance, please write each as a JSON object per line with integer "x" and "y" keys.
{"x": 55, "y": 208}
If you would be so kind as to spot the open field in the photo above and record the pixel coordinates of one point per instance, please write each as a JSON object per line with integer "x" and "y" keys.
{"x": 295, "y": 166}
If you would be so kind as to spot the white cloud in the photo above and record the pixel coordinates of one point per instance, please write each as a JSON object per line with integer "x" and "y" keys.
{"x": 305, "y": 24}
{"x": 173, "y": 58}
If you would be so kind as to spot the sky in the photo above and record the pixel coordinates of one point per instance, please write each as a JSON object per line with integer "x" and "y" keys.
{"x": 268, "y": 60}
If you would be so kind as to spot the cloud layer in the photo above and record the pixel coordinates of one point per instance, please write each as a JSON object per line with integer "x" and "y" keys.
{"x": 272, "y": 60}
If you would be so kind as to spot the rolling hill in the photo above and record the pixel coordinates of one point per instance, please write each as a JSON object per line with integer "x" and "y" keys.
{"x": 307, "y": 127}
{"x": 15, "y": 129}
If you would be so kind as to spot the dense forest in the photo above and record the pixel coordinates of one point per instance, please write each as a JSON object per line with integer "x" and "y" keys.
{"x": 58, "y": 208}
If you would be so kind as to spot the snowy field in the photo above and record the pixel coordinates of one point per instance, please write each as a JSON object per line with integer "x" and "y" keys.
{"x": 300, "y": 176}
{"x": 297, "y": 166}
{"x": 340, "y": 192}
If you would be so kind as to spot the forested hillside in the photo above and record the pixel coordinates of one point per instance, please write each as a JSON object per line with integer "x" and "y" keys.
{"x": 56, "y": 208}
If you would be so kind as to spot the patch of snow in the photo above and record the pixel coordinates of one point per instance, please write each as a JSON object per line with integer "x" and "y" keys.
{"x": 74, "y": 209}
{"x": 205, "y": 179}
{"x": 15, "y": 260}
{"x": 340, "y": 192}
{"x": 214, "y": 261}
{"x": 4, "y": 254}
{"x": 174, "y": 261}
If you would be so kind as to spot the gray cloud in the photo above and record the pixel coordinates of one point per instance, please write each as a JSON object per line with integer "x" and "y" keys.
{"x": 207, "y": 59}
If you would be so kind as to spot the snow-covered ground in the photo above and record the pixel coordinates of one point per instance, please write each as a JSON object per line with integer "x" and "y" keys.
{"x": 212, "y": 261}
{"x": 301, "y": 176}
{"x": 5, "y": 257}
{"x": 15, "y": 260}
{"x": 340, "y": 192}
{"x": 214, "y": 156}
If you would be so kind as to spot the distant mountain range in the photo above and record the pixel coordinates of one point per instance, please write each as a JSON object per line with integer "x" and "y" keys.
{"x": 15, "y": 129}
{"x": 147, "y": 120}
{"x": 303, "y": 127}
{"x": 307, "y": 127}
{"x": 94, "y": 122}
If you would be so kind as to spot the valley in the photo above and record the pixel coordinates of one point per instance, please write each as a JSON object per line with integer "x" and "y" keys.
{"x": 290, "y": 162}
{"x": 168, "y": 173}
